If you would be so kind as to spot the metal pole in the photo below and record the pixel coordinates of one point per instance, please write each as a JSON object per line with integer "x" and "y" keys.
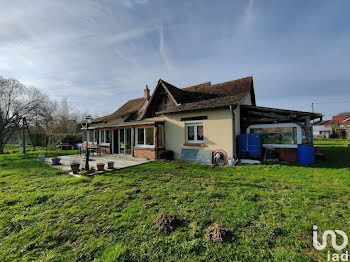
{"x": 87, "y": 168}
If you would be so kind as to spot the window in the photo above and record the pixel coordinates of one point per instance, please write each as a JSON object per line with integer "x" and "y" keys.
{"x": 107, "y": 139}
{"x": 149, "y": 134}
{"x": 287, "y": 135}
{"x": 145, "y": 136}
{"x": 84, "y": 135}
{"x": 277, "y": 135}
{"x": 88, "y": 132}
{"x": 194, "y": 132}
{"x": 140, "y": 136}
{"x": 93, "y": 136}
{"x": 167, "y": 102}
{"x": 104, "y": 136}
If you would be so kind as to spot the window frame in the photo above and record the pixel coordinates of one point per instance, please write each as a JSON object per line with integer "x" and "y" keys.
{"x": 195, "y": 124}
{"x": 102, "y": 134}
{"x": 144, "y": 137}
{"x": 299, "y": 134}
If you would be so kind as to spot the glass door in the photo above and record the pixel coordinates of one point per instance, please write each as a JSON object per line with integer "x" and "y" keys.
{"x": 121, "y": 141}
{"x": 128, "y": 141}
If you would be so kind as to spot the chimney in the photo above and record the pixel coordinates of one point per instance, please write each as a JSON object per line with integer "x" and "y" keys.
{"x": 147, "y": 95}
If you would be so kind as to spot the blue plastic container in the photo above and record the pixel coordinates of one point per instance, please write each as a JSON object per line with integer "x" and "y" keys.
{"x": 242, "y": 144}
{"x": 249, "y": 145}
{"x": 306, "y": 155}
{"x": 254, "y": 145}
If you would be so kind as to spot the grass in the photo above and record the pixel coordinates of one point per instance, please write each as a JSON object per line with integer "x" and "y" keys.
{"x": 11, "y": 148}
{"x": 47, "y": 216}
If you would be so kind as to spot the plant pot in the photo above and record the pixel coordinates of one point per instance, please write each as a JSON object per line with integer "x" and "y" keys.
{"x": 110, "y": 165}
{"x": 100, "y": 166}
{"x": 75, "y": 168}
{"x": 56, "y": 161}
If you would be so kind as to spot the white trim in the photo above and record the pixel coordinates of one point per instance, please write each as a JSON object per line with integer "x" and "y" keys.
{"x": 125, "y": 141}
{"x": 195, "y": 124}
{"x": 133, "y": 124}
{"x": 144, "y": 137}
{"x": 299, "y": 133}
{"x": 346, "y": 120}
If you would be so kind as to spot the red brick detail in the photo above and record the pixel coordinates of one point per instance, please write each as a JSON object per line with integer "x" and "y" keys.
{"x": 104, "y": 149}
{"x": 193, "y": 144}
{"x": 221, "y": 151}
{"x": 148, "y": 153}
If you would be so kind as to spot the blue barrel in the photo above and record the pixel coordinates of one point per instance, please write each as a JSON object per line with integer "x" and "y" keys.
{"x": 306, "y": 155}
{"x": 254, "y": 145}
{"x": 242, "y": 145}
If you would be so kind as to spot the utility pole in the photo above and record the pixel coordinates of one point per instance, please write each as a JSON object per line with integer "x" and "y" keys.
{"x": 312, "y": 106}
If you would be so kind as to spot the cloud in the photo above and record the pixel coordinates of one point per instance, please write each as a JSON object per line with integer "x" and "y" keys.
{"x": 163, "y": 48}
{"x": 99, "y": 54}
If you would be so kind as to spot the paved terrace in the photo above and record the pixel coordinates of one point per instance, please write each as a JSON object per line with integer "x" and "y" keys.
{"x": 120, "y": 161}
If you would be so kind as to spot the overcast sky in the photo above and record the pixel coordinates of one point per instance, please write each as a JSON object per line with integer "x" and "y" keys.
{"x": 98, "y": 54}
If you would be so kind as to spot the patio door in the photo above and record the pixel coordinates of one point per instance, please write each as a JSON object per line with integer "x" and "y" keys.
{"x": 124, "y": 141}
{"x": 128, "y": 141}
{"x": 115, "y": 141}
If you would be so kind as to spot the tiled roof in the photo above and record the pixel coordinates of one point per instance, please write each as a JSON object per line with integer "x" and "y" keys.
{"x": 327, "y": 123}
{"x": 343, "y": 119}
{"x": 210, "y": 96}
{"x": 201, "y": 96}
{"x": 128, "y": 109}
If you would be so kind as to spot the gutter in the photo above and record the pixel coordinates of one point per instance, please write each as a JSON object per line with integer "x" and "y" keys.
{"x": 192, "y": 109}
{"x": 125, "y": 124}
{"x": 233, "y": 108}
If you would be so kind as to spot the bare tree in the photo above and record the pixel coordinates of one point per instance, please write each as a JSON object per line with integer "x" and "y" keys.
{"x": 16, "y": 102}
{"x": 63, "y": 124}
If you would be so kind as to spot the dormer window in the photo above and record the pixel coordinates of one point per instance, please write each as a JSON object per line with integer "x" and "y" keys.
{"x": 167, "y": 102}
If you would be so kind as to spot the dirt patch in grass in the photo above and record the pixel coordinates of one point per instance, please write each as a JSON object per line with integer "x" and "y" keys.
{"x": 137, "y": 191}
{"x": 146, "y": 198}
{"x": 147, "y": 201}
{"x": 166, "y": 222}
{"x": 218, "y": 234}
{"x": 98, "y": 183}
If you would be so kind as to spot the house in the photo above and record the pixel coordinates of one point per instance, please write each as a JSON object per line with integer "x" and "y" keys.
{"x": 343, "y": 129}
{"x": 339, "y": 126}
{"x": 196, "y": 122}
{"x": 324, "y": 129}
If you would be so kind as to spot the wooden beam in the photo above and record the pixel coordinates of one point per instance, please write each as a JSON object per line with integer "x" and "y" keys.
{"x": 308, "y": 130}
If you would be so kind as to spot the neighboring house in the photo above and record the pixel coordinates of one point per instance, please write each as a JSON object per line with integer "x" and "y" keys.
{"x": 343, "y": 129}
{"x": 324, "y": 129}
{"x": 198, "y": 121}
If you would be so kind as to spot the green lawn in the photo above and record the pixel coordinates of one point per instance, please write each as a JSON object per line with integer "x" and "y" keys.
{"x": 49, "y": 216}
{"x": 15, "y": 148}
